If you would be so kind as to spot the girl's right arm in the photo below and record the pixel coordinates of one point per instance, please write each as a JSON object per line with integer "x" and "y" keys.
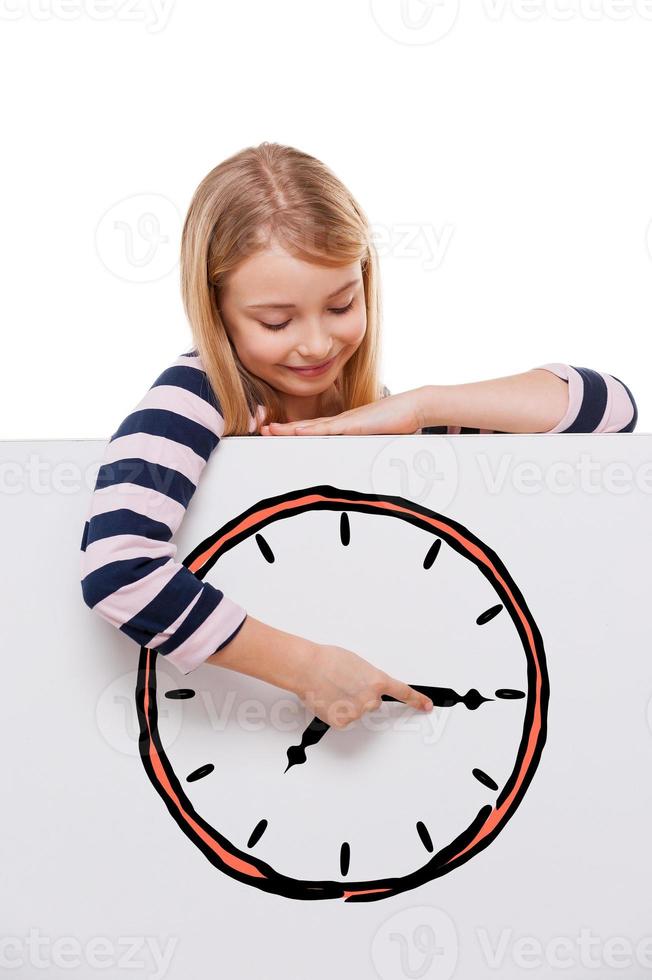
{"x": 336, "y": 684}
{"x": 148, "y": 474}
{"x": 131, "y": 578}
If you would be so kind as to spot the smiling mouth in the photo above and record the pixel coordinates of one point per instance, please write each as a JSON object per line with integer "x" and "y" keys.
{"x": 312, "y": 367}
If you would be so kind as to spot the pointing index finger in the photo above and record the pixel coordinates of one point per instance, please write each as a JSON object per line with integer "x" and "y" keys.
{"x": 403, "y": 692}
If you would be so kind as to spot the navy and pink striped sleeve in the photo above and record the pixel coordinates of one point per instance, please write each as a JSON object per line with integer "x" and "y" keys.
{"x": 148, "y": 474}
{"x": 597, "y": 402}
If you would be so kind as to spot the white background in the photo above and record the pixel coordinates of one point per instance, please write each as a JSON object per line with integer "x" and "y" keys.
{"x": 502, "y": 151}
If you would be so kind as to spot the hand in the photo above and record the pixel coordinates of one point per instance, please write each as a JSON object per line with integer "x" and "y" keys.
{"x": 339, "y": 686}
{"x": 395, "y": 414}
{"x": 446, "y": 697}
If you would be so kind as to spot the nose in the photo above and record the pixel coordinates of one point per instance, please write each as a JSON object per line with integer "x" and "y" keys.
{"x": 316, "y": 342}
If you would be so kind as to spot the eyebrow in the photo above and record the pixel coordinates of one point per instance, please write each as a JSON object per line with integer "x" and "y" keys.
{"x": 285, "y": 306}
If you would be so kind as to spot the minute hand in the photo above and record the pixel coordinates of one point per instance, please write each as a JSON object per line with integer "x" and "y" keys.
{"x": 443, "y": 697}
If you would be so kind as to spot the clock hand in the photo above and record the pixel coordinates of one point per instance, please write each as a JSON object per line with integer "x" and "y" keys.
{"x": 446, "y": 697}
{"x": 312, "y": 734}
{"x": 443, "y": 697}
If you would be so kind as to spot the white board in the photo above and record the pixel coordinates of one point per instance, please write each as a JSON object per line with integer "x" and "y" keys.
{"x": 170, "y": 823}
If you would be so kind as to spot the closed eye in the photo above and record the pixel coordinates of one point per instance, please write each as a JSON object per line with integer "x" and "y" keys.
{"x": 338, "y": 310}
{"x": 342, "y": 309}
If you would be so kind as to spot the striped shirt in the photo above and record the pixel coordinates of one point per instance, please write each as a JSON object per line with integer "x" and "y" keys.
{"x": 130, "y": 575}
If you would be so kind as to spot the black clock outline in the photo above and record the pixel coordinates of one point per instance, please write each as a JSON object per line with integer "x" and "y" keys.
{"x": 243, "y": 865}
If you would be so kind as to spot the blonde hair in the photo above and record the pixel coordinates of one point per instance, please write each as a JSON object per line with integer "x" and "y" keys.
{"x": 269, "y": 192}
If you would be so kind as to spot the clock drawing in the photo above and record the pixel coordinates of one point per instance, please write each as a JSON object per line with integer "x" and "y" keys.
{"x": 274, "y": 797}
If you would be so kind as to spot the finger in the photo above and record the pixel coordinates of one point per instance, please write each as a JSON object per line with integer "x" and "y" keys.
{"x": 403, "y": 692}
{"x": 287, "y": 431}
{"x": 290, "y": 425}
{"x": 337, "y": 426}
{"x": 290, "y": 428}
{"x": 309, "y": 423}
{"x": 315, "y": 429}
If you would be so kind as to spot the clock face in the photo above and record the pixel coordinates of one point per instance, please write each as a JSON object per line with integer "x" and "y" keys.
{"x": 275, "y": 797}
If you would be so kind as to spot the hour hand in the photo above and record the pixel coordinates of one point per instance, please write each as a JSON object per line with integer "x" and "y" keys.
{"x": 312, "y": 734}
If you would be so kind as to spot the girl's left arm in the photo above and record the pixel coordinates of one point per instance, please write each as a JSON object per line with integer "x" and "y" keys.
{"x": 554, "y": 397}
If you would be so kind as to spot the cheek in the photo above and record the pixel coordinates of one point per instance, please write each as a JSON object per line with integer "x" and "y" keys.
{"x": 354, "y": 330}
{"x": 263, "y": 348}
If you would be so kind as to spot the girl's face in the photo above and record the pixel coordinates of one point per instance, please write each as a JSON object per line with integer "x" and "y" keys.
{"x": 283, "y": 313}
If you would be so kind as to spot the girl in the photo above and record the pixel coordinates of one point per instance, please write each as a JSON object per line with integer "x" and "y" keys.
{"x": 280, "y": 285}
